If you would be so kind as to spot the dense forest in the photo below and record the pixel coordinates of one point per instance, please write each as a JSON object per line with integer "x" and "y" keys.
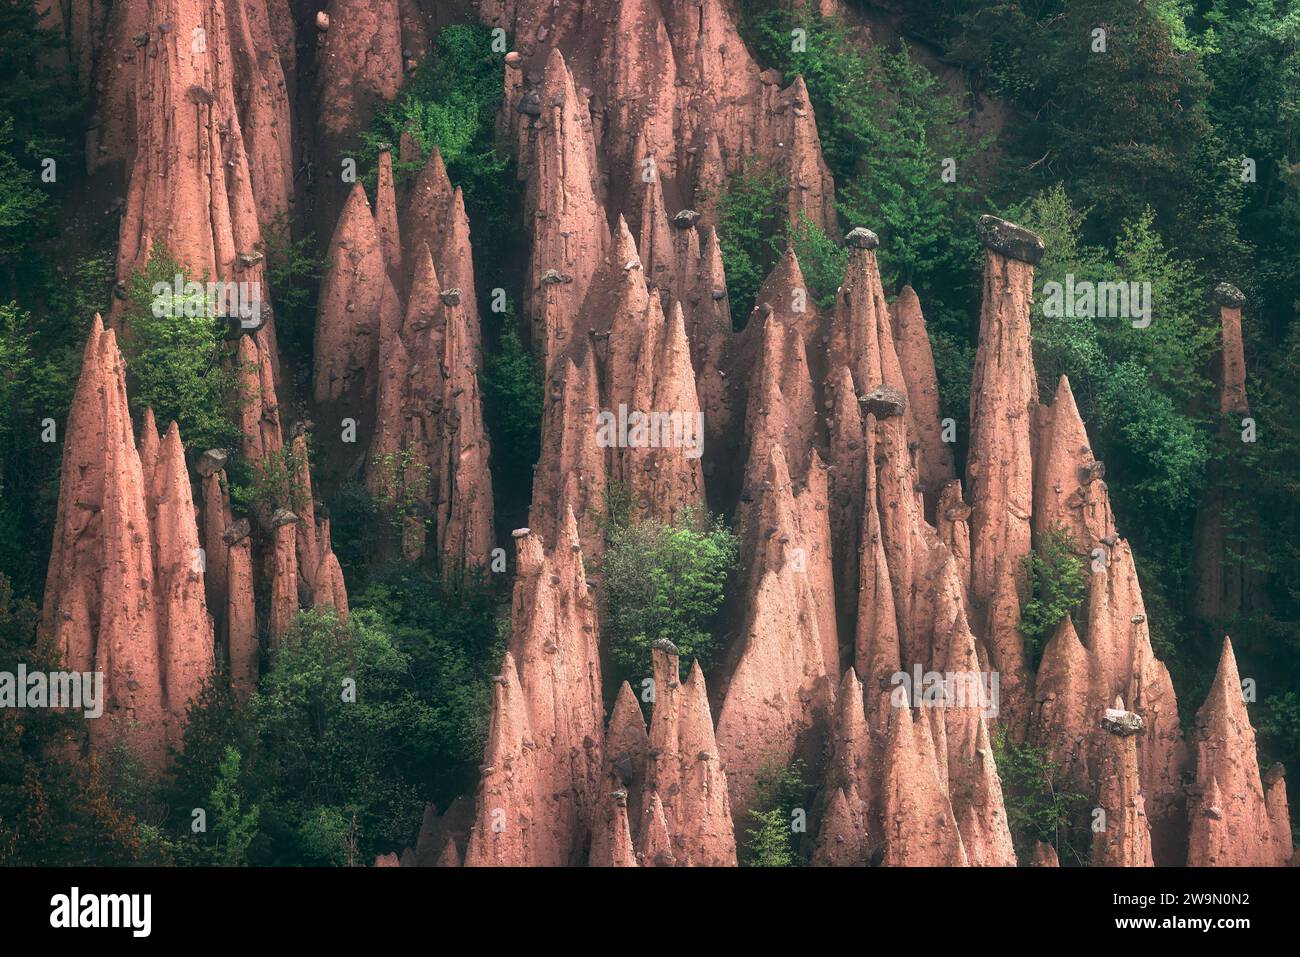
{"x": 1164, "y": 149}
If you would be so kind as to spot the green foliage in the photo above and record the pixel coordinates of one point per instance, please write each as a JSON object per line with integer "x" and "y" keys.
{"x": 666, "y": 581}
{"x": 233, "y": 828}
{"x": 454, "y": 641}
{"x": 277, "y": 481}
{"x": 23, "y": 206}
{"x": 1138, "y": 389}
{"x": 404, "y": 481}
{"x": 352, "y": 730}
{"x": 750, "y": 213}
{"x": 318, "y": 749}
{"x": 451, "y": 102}
{"x": 822, "y": 261}
{"x": 40, "y": 359}
{"x": 512, "y": 408}
{"x": 1058, "y": 584}
{"x": 54, "y": 809}
{"x": 1279, "y": 725}
{"x": 293, "y": 273}
{"x": 1039, "y": 803}
{"x": 174, "y": 360}
{"x": 39, "y": 121}
{"x": 770, "y": 837}
{"x": 886, "y": 126}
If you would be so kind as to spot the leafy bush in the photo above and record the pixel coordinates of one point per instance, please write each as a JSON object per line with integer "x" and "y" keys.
{"x": 886, "y": 127}
{"x": 277, "y": 481}
{"x": 750, "y": 229}
{"x": 822, "y": 261}
{"x": 1039, "y": 805}
{"x": 778, "y": 792}
{"x": 293, "y": 273}
{"x": 451, "y": 102}
{"x": 666, "y": 581}
{"x": 174, "y": 362}
{"x": 1058, "y": 583}
{"x": 352, "y": 730}
{"x": 512, "y": 409}
{"x": 334, "y": 718}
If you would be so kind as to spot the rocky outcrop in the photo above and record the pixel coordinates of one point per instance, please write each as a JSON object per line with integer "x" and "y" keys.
{"x": 465, "y": 535}
{"x": 780, "y": 693}
{"x": 1227, "y": 580}
{"x": 665, "y": 477}
{"x": 685, "y": 787}
{"x": 551, "y": 708}
{"x": 355, "y": 300}
{"x": 570, "y": 235}
{"x": 920, "y": 830}
{"x": 282, "y": 564}
{"x": 1125, "y": 664}
{"x": 1069, "y": 491}
{"x": 916, "y": 359}
{"x": 125, "y": 588}
{"x": 506, "y": 825}
{"x": 1123, "y": 839}
{"x": 359, "y": 68}
{"x": 1232, "y": 373}
{"x": 999, "y": 470}
{"x": 851, "y": 823}
{"x": 1065, "y": 711}
{"x": 1229, "y": 823}
{"x": 184, "y": 626}
{"x": 190, "y": 189}
{"x": 259, "y": 49}
{"x": 571, "y": 471}
{"x": 974, "y": 787}
{"x": 242, "y": 648}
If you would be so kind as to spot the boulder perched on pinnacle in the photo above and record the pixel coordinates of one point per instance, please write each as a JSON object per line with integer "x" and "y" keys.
{"x": 1121, "y": 722}
{"x": 1008, "y": 239}
{"x": 883, "y": 402}
{"x": 862, "y": 238}
{"x": 1226, "y": 294}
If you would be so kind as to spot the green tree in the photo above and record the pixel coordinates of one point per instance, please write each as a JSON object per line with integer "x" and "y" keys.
{"x": 780, "y": 792}
{"x": 233, "y": 828}
{"x": 1058, "y": 583}
{"x": 750, "y": 214}
{"x": 666, "y": 581}
{"x": 174, "y": 350}
{"x": 335, "y": 717}
{"x": 1040, "y": 804}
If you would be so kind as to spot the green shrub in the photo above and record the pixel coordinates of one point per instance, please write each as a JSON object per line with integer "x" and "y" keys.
{"x": 751, "y": 219}
{"x": 174, "y": 362}
{"x": 779, "y": 792}
{"x": 335, "y": 719}
{"x": 451, "y": 102}
{"x": 1058, "y": 583}
{"x": 822, "y": 261}
{"x": 666, "y": 581}
{"x": 293, "y": 273}
{"x": 1040, "y": 805}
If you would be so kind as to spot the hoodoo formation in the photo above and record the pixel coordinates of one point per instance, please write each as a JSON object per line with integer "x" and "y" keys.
{"x": 866, "y": 667}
